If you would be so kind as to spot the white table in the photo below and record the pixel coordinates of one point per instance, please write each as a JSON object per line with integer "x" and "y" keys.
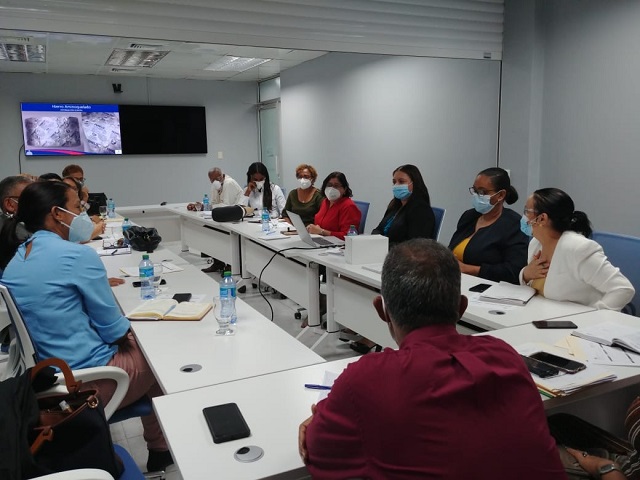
{"x": 273, "y": 407}
{"x": 175, "y": 349}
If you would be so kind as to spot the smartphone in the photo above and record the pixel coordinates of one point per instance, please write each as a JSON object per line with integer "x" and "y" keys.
{"x": 226, "y": 423}
{"x": 138, "y": 284}
{"x": 182, "y": 297}
{"x": 481, "y": 287}
{"x": 554, "y": 324}
{"x": 541, "y": 369}
{"x": 564, "y": 364}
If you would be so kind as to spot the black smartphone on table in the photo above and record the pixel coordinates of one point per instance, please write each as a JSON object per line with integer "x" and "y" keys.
{"x": 137, "y": 284}
{"x": 561, "y": 363}
{"x": 226, "y": 422}
{"x": 481, "y": 287}
{"x": 554, "y": 324}
{"x": 182, "y": 297}
{"x": 541, "y": 369}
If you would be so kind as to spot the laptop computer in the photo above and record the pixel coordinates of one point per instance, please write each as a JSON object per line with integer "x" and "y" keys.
{"x": 307, "y": 238}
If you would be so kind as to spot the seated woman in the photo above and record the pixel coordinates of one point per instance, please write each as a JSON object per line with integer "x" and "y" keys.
{"x": 337, "y": 212}
{"x": 62, "y": 291}
{"x": 488, "y": 242}
{"x": 260, "y": 192}
{"x": 409, "y": 214}
{"x": 306, "y": 199}
{"x": 563, "y": 263}
{"x": 99, "y": 224}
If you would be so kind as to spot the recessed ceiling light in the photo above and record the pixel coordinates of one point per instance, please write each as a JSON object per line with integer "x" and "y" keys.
{"x": 22, "y": 53}
{"x": 229, "y": 63}
{"x": 135, "y": 58}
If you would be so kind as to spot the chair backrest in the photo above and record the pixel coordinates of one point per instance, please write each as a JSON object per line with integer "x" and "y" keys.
{"x": 25, "y": 347}
{"x": 439, "y": 214}
{"x": 364, "y": 209}
{"x": 623, "y": 251}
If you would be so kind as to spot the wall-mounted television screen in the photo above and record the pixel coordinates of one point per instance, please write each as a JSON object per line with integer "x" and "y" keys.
{"x": 92, "y": 129}
{"x": 71, "y": 129}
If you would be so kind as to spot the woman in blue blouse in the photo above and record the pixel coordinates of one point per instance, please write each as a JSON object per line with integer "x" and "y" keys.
{"x": 62, "y": 290}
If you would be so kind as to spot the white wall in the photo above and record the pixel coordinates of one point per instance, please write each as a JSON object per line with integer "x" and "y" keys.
{"x": 367, "y": 114}
{"x": 138, "y": 179}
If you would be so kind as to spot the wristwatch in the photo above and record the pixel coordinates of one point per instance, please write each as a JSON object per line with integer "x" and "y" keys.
{"x": 611, "y": 467}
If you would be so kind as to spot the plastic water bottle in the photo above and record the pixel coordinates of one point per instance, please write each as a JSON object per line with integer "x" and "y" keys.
{"x": 205, "y": 203}
{"x": 111, "y": 208}
{"x": 126, "y": 225}
{"x": 266, "y": 227}
{"x": 145, "y": 271}
{"x": 228, "y": 291}
{"x": 353, "y": 231}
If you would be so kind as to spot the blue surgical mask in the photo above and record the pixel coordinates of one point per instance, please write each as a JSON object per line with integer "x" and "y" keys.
{"x": 81, "y": 228}
{"x": 482, "y": 203}
{"x": 401, "y": 191}
{"x": 525, "y": 226}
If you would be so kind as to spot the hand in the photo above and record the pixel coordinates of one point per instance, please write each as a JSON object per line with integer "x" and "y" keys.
{"x": 311, "y": 228}
{"x": 590, "y": 463}
{"x": 250, "y": 188}
{"x": 114, "y": 282}
{"x": 469, "y": 269}
{"x": 537, "y": 268}
{"x": 302, "y": 436}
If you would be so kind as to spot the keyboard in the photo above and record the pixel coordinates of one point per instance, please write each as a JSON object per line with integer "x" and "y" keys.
{"x": 322, "y": 241}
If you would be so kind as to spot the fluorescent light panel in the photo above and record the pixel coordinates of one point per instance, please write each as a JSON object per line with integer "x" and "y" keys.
{"x": 135, "y": 58}
{"x": 22, "y": 53}
{"x": 229, "y": 63}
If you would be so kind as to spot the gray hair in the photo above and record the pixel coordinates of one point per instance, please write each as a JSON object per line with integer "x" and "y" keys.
{"x": 421, "y": 284}
{"x": 216, "y": 169}
{"x": 9, "y": 184}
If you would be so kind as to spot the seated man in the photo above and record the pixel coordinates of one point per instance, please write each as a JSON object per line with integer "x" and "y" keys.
{"x": 444, "y": 405}
{"x": 10, "y": 190}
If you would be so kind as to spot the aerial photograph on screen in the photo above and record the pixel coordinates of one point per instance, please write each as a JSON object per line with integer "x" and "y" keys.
{"x": 71, "y": 129}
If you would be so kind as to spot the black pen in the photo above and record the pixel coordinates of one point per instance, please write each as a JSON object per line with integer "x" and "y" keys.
{"x": 314, "y": 386}
{"x": 114, "y": 252}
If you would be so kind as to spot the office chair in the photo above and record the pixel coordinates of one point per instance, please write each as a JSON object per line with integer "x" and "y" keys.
{"x": 623, "y": 251}
{"x": 439, "y": 214}
{"x": 364, "y": 210}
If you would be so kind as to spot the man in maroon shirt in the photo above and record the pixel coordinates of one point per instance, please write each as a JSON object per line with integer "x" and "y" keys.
{"x": 444, "y": 405}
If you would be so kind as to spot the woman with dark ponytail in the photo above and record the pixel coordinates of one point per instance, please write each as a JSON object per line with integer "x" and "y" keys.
{"x": 563, "y": 263}
{"x": 488, "y": 242}
{"x": 260, "y": 192}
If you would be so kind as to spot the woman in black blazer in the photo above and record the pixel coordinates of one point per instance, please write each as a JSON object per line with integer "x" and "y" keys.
{"x": 488, "y": 242}
{"x": 409, "y": 214}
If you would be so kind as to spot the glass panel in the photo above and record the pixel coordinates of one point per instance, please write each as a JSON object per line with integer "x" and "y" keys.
{"x": 269, "y": 89}
{"x": 270, "y": 141}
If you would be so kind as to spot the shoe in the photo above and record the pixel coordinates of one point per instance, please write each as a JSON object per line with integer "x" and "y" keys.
{"x": 363, "y": 349}
{"x": 347, "y": 335}
{"x": 213, "y": 268}
{"x": 159, "y": 460}
{"x": 242, "y": 289}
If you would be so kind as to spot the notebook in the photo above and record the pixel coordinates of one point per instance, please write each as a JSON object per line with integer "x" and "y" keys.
{"x": 306, "y": 236}
{"x": 169, "y": 309}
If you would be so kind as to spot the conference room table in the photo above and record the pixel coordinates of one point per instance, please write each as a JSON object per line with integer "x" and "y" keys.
{"x": 188, "y": 354}
{"x": 352, "y": 288}
{"x": 274, "y": 405}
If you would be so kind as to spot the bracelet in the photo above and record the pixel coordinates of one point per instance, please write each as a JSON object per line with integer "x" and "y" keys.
{"x": 611, "y": 467}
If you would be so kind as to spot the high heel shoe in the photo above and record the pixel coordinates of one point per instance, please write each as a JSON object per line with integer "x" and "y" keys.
{"x": 363, "y": 349}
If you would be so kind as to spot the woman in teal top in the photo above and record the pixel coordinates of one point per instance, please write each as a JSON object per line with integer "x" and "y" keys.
{"x": 62, "y": 290}
{"x": 306, "y": 199}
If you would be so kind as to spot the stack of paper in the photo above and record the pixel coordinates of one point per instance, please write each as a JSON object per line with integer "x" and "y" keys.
{"x": 567, "y": 384}
{"x": 508, "y": 293}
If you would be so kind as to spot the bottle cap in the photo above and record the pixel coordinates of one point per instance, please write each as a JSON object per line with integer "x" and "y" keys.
{"x": 126, "y": 219}
{"x": 145, "y": 257}
{"x": 226, "y": 274}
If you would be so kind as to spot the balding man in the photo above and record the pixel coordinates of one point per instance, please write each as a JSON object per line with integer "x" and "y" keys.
{"x": 443, "y": 405}
{"x": 10, "y": 190}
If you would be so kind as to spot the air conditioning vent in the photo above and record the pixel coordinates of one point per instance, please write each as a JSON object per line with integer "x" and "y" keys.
{"x": 123, "y": 70}
{"x": 145, "y": 46}
{"x": 18, "y": 40}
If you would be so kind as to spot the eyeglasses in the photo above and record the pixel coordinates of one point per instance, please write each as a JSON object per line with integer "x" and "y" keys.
{"x": 530, "y": 210}
{"x": 14, "y": 198}
{"x": 481, "y": 191}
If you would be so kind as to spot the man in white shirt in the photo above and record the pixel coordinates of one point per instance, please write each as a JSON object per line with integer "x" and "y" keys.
{"x": 224, "y": 189}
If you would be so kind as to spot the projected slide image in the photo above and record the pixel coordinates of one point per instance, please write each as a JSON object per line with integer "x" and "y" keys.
{"x": 102, "y": 131}
{"x": 52, "y": 132}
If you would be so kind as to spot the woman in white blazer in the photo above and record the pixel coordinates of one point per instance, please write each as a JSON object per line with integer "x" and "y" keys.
{"x": 563, "y": 263}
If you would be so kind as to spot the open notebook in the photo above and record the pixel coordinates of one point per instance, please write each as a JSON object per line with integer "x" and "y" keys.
{"x": 169, "y": 309}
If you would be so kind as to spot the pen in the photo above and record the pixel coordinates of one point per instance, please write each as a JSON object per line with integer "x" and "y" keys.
{"x": 114, "y": 252}
{"x": 314, "y": 386}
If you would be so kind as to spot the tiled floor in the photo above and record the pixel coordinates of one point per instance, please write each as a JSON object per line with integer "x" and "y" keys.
{"x": 128, "y": 434}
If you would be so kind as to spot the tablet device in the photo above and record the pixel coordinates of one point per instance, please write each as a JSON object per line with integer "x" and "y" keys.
{"x": 226, "y": 423}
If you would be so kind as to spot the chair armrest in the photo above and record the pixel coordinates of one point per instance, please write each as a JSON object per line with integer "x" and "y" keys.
{"x": 80, "y": 474}
{"x": 98, "y": 373}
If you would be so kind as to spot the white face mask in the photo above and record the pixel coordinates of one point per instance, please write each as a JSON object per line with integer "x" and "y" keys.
{"x": 331, "y": 193}
{"x": 216, "y": 185}
{"x": 259, "y": 184}
{"x": 304, "y": 183}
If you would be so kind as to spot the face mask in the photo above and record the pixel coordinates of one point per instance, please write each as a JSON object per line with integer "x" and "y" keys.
{"x": 216, "y": 185}
{"x": 525, "y": 227}
{"x": 331, "y": 193}
{"x": 259, "y": 185}
{"x": 401, "y": 192}
{"x": 482, "y": 203}
{"x": 81, "y": 228}
{"x": 304, "y": 183}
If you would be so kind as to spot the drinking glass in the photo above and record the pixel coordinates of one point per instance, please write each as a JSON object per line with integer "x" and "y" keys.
{"x": 274, "y": 216}
{"x": 157, "y": 277}
{"x": 223, "y": 318}
{"x": 103, "y": 212}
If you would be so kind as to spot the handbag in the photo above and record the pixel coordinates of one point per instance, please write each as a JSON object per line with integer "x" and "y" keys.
{"x": 72, "y": 431}
{"x": 142, "y": 239}
{"x": 229, "y": 213}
